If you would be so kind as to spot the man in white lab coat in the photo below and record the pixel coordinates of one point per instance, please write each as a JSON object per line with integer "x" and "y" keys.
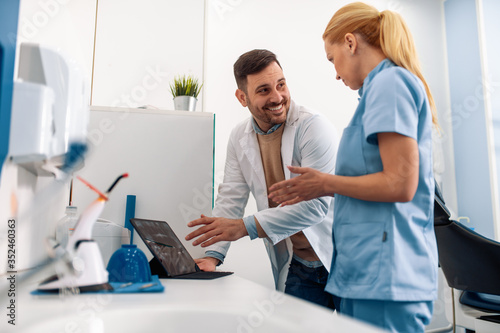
{"x": 280, "y": 133}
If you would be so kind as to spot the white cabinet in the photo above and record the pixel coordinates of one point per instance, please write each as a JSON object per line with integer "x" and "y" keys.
{"x": 169, "y": 158}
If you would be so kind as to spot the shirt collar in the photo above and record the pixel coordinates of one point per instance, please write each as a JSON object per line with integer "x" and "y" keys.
{"x": 386, "y": 63}
{"x": 261, "y": 132}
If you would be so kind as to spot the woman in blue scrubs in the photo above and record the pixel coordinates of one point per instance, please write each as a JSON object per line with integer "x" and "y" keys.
{"x": 385, "y": 260}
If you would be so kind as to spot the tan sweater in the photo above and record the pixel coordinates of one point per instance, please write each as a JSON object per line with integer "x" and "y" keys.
{"x": 270, "y": 152}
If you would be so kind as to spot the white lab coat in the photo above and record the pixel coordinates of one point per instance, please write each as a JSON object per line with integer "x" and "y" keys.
{"x": 309, "y": 140}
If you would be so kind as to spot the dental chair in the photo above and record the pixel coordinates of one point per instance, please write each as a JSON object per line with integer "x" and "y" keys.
{"x": 471, "y": 266}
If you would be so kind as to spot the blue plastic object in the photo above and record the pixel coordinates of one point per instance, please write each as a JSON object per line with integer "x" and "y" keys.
{"x": 74, "y": 156}
{"x": 129, "y": 264}
{"x": 130, "y": 214}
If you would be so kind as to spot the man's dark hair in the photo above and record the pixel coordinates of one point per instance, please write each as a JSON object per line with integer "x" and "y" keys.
{"x": 252, "y": 62}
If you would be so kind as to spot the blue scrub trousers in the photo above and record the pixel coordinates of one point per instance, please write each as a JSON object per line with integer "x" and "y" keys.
{"x": 309, "y": 284}
{"x": 393, "y": 316}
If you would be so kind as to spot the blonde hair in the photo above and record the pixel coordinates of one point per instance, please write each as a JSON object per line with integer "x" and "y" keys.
{"x": 385, "y": 30}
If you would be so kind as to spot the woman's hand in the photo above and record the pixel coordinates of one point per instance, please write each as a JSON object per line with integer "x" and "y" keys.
{"x": 397, "y": 182}
{"x": 309, "y": 185}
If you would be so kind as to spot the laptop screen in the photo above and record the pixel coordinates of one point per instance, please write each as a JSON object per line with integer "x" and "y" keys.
{"x": 165, "y": 246}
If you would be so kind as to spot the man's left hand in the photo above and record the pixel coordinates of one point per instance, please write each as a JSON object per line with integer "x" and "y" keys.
{"x": 216, "y": 229}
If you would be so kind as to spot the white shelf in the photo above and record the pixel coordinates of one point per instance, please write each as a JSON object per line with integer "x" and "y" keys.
{"x": 151, "y": 111}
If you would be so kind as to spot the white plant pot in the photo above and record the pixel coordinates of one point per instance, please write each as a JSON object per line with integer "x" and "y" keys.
{"x": 186, "y": 103}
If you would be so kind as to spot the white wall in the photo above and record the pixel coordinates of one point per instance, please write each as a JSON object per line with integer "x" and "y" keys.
{"x": 132, "y": 52}
{"x": 491, "y": 54}
{"x": 141, "y": 45}
{"x": 292, "y": 29}
{"x": 65, "y": 25}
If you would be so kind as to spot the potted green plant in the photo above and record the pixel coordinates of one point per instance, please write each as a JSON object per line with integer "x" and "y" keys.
{"x": 185, "y": 90}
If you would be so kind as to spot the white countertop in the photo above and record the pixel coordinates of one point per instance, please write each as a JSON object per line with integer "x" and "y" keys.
{"x": 227, "y": 304}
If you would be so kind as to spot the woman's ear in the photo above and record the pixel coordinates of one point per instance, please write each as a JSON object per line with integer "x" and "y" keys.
{"x": 351, "y": 42}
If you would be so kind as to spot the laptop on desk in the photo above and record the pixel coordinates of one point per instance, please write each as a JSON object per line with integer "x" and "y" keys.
{"x": 171, "y": 259}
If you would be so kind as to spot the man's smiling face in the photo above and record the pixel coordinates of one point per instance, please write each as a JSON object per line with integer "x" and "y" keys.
{"x": 267, "y": 96}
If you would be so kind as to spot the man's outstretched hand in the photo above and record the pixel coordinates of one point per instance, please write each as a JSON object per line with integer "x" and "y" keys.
{"x": 216, "y": 229}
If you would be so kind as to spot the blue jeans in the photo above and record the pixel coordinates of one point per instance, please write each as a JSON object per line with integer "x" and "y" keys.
{"x": 309, "y": 284}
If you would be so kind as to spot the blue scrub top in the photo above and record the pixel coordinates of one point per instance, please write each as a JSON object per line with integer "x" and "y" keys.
{"x": 386, "y": 251}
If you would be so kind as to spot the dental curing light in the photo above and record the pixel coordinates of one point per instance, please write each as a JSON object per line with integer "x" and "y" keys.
{"x": 87, "y": 270}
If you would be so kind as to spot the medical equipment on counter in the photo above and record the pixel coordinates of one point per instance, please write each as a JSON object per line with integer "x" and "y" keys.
{"x": 108, "y": 235}
{"x": 87, "y": 271}
{"x": 66, "y": 225}
{"x": 50, "y": 109}
{"x": 129, "y": 265}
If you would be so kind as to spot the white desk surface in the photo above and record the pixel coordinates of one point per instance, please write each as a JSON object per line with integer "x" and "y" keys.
{"x": 227, "y": 304}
